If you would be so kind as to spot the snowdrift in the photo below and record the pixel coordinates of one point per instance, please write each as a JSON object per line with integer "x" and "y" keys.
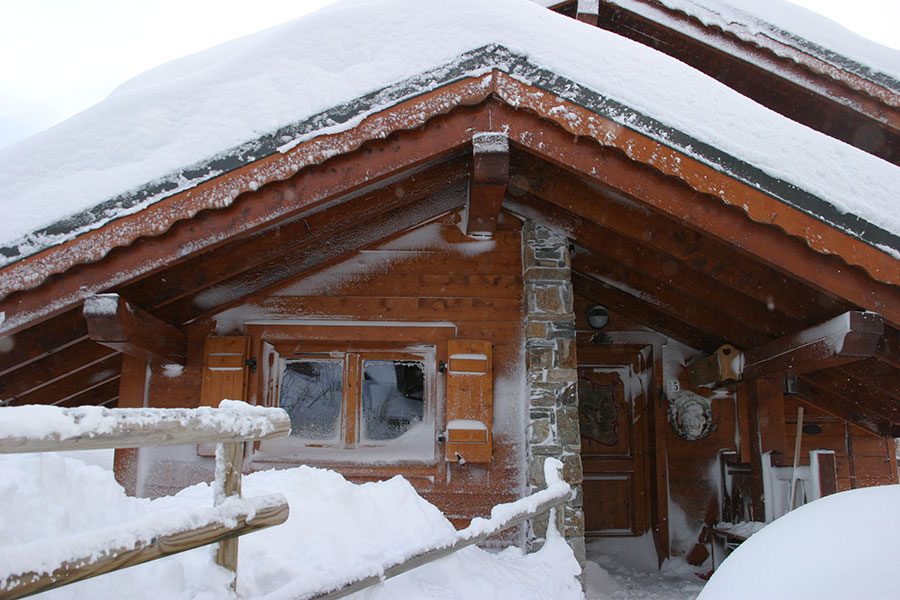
{"x": 334, "y": 525}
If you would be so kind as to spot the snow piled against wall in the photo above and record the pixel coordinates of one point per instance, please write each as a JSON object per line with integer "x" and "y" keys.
{"x": 841, "y": 546}
{"x": 193, "y": 109}
{"x": 334, "y": 526}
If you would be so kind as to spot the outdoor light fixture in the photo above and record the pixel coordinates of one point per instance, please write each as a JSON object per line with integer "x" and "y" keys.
{"x": 597, "y": 317}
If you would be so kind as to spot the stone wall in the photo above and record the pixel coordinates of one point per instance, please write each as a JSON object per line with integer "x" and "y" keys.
{"x": 553, "y": 429}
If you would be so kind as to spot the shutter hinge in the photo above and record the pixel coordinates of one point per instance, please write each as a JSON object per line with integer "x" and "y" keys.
{"x": 251, "y": 362}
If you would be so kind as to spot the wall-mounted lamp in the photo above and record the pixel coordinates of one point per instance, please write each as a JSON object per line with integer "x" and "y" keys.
{"x": 597, "y": 317}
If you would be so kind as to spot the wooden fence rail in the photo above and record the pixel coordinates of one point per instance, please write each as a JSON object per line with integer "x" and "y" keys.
{"x": 46, "y": 428}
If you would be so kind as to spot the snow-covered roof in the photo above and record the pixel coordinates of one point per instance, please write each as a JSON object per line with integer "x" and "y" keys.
{"x": 190, "y": 120}
{"x": 796, "y": 27}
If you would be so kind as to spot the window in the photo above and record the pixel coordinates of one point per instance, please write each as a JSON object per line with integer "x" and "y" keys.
{"x": 354, "y": 405}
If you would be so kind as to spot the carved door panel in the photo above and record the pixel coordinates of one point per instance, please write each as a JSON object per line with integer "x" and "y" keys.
{"x": 613, "y": 448}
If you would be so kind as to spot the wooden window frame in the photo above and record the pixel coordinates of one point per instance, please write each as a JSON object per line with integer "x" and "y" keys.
{"x": 274, "y": 341}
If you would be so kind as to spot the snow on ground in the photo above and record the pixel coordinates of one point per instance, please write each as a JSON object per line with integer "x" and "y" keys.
{"x": 193, "y": 109}
{"x": 841, "y": 546}
{"x": 333, "y": 524}
{"x": 608, "y": 579}
{"x": 626, "y": 569}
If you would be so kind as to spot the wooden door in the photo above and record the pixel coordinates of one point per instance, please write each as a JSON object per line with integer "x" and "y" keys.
{"x": 613, "y": 451}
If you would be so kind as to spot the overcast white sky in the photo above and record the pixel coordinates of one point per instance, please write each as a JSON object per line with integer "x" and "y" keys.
{"x": 61, "y": 56}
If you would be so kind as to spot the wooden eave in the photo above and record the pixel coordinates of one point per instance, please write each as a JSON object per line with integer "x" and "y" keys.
{"x": 663, "y": 238}
{"x": 782, "y": 77}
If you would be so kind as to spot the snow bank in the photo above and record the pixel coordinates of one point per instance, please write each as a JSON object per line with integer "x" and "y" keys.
{"x": 187, "y": 113}
{"x": 841, "y": 546}
{"x": 334, "y": 525}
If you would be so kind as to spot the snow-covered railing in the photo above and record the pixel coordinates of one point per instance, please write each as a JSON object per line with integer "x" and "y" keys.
{"x": 40, "y": 566}
{"x": 503, "y": 516}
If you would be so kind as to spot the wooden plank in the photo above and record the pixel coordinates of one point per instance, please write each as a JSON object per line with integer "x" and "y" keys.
{"x": 132, "y": 391}
{"x": 113, "y": 558}
{"x": 809, "y": 252}
{"x": 687, "y": 248}
{"x": 395, "y": 309}
{"x": 848, "y": 409}
{"x": 859, "y": 392}
{"x": 827, "y": 474}
{"x": 757, "y": 492}
{"x": 751, "y": 231}
{"x": 305, "y": 230}
{"x": 229, "y": 463}
{"x": 670, "y": 300}
{"x": 845, "y": 338}
{"x": 413, "y": 283}
{"x": 115, "y": 322}
{"x": 632, "y": 306}
{"x": 139, "y": 427}
{"x": 59, "y": 364}
{"x": 487, "y": 184}
{"x": 302, "y": 334}
{"x": 105, "y": 394}
{"x": 770, "y": 408}
{"x": 42, "y": 340}
{"x": 74, "y": 383}
{"x": 308, "y": 259}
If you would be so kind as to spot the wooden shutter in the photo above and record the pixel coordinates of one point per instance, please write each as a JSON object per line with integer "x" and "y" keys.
{"x": 470, "y": 401}
{"x": 225, "y": 371}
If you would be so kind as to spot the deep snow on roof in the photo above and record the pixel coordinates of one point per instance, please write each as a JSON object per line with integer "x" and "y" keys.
{"x": 800, "y": 28}
{"x": 182, "y": 123}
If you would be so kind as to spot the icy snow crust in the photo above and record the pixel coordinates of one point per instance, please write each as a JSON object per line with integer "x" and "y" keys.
{"x": 334, "y": 526}
{"x": 838, "y": 547}
{"x": 800, "y": 28}
{"x": 193, "y": 119}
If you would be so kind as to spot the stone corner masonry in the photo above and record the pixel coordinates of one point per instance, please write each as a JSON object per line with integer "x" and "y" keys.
{"x": 552, "y": 375}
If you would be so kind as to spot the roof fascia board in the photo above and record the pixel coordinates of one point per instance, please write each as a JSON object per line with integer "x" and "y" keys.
{"x": 261, "y": 156}
{"x": 445, "y": 88}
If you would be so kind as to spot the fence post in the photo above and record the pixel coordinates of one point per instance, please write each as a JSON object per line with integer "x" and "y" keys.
{"x": 229, "y": 462}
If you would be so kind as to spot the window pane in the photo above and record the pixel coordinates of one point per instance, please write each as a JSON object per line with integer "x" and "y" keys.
{"x": 311, "y": 393}
{"x": 393, "y": 398}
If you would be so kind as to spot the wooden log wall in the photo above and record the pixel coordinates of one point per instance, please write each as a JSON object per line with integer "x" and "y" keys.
{"x": 862, "y": 458}
{"x": 434, "y": 274}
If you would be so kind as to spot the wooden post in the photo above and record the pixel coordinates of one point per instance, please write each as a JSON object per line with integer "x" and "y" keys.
{"x": 229, "y": 462}
{"x": 131, "y": 395}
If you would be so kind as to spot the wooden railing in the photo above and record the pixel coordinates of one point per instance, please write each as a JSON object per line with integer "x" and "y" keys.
{"x": 46, "y": 428}
{"x": 503, "y": 516}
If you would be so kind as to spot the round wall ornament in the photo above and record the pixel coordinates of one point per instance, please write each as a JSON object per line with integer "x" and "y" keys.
{"x": 691, "y": 415}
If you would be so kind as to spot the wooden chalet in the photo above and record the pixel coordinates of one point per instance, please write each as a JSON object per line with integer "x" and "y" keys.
{"x": 489, "y": 263}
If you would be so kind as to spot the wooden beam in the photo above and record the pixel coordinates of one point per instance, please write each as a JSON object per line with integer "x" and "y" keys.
{"x": 757, "y": 229}
{"x": 71, "y": 385}
{"x": 139, "y": 427}
{"x": 587, "y": 11}
{"x": 55, "y": 366}
{"x": 846, "y": 338}
{"x": 260, "y": 513}
{"x": 132, "y": 394}
{"x": 847, "y": 409}
{"x": 252, "y": 211}
{"x": 487, "y": 185}
{"x": 114, "y": 322}
{"x": 306, "y": 259}
{"x": 630, "y": 304}
{"x": 260, "y": 250}
{"x": 25, "y": 347}
{"x": 686, "y": 249}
